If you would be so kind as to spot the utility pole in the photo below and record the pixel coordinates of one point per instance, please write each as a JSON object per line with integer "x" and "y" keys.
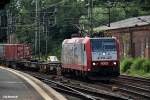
{"x": 90, "y": 15}
{"x": 39, "y": 42}
{"x": 55, "y": 12}
{"x": 46, "y": 41}
{"x": 7, "y": 25}
{"x": 109, "y": 16}
{"x": 109, "y": 6}
{"x": 37, "y": 30}
{"x": 36, "y": 22}
{"x": 45, "y": 31}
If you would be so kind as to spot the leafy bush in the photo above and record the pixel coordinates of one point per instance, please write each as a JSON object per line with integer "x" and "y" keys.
{"x": 126, "y": 64}
{"x": 137, "y": 64}
{"x": 139, "y": 67}
{"x": 146, "y": 66}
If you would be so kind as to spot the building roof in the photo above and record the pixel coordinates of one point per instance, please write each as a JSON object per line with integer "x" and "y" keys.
{"x": 130, "y": 22}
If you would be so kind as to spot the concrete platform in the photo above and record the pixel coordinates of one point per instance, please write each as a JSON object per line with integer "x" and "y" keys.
{"x": 21, "y": 87}
{"x": 14, "y": 88}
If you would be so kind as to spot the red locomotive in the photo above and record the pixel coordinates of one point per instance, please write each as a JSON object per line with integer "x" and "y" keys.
{"x": 96, "y": 58}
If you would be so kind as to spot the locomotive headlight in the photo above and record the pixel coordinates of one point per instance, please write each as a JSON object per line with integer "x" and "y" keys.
{"x": 94, "y": 64}
{"x": 115, "y": 63}
{"x": 104, "y": 53}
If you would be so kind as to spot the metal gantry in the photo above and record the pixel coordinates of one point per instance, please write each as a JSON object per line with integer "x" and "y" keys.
{"x": 90, "y": 15}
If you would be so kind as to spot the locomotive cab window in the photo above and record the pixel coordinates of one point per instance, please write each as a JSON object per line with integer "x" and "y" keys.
{"x": 103, "y": 45}
{"x": 109, "y": 46}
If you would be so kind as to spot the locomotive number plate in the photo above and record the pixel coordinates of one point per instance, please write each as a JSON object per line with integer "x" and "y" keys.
{"x": 104, "y": 63}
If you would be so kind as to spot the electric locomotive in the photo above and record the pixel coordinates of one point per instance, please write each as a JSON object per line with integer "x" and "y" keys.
{"x": 95, "y": 58}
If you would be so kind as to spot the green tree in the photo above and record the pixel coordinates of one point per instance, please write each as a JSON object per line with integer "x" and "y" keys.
{"x": 65, "y": 16}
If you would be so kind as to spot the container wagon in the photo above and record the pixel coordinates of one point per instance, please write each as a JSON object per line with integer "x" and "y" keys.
{"x": 19, "y": 56}
{"x": 14, "y": 54}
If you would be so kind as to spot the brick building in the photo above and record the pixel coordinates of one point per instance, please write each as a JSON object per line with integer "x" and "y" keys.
{"x": 133, "y": 35}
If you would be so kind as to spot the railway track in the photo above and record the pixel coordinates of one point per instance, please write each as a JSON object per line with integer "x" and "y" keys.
{"x": 145, "y": 81}
{"x": 138, "y": 87}
{"x": 132, "y": 90}
{"x": 102, "y": 87}
{"x": 80, "y": 91}
{"x": 121, "y": 88}
{"x": 61, "y": 88}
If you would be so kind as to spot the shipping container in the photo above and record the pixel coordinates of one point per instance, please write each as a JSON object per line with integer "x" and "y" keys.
{"x": 17, "y": 51}
{"x": 27, "y": 51}
{"x": 20, "y": 51}
{"x": 10, "y": 51}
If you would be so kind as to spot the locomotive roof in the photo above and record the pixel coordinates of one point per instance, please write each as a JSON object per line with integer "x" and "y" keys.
{"x": 73, "y": 40}
{"x": 84, "y": 40}
{"x": 104, "y": 38}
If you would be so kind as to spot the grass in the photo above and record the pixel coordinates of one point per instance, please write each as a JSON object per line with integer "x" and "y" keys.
{"x": 139, "y": 74}
{"x": 126, "y": 65}
{"x": 139, "y": 67}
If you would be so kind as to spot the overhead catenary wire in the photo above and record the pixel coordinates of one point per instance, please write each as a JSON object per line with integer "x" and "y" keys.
{"x": 60, "y": 5}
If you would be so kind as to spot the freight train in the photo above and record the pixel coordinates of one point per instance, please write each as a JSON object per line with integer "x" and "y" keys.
{"x": 20, "y": 56}
{"x": 94, "y": 58}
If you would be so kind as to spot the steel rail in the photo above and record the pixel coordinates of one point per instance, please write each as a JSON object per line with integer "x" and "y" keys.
{"x": 136, "y": 86}
{"x": 137, "y": 79}
{"x": 82, "y": 91}
{"x": 97, "y": 92}
{"x": 66, "y": 88}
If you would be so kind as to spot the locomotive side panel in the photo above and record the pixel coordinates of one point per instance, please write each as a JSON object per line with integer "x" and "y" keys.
{"x": 73, "y": 55}
{"x": 80, "y": 56}
{"x": 84, "y": 57}
{"x": 67, "y": 55}
{"x": 88, "y": 54}
{"x": 77, "y": 54}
